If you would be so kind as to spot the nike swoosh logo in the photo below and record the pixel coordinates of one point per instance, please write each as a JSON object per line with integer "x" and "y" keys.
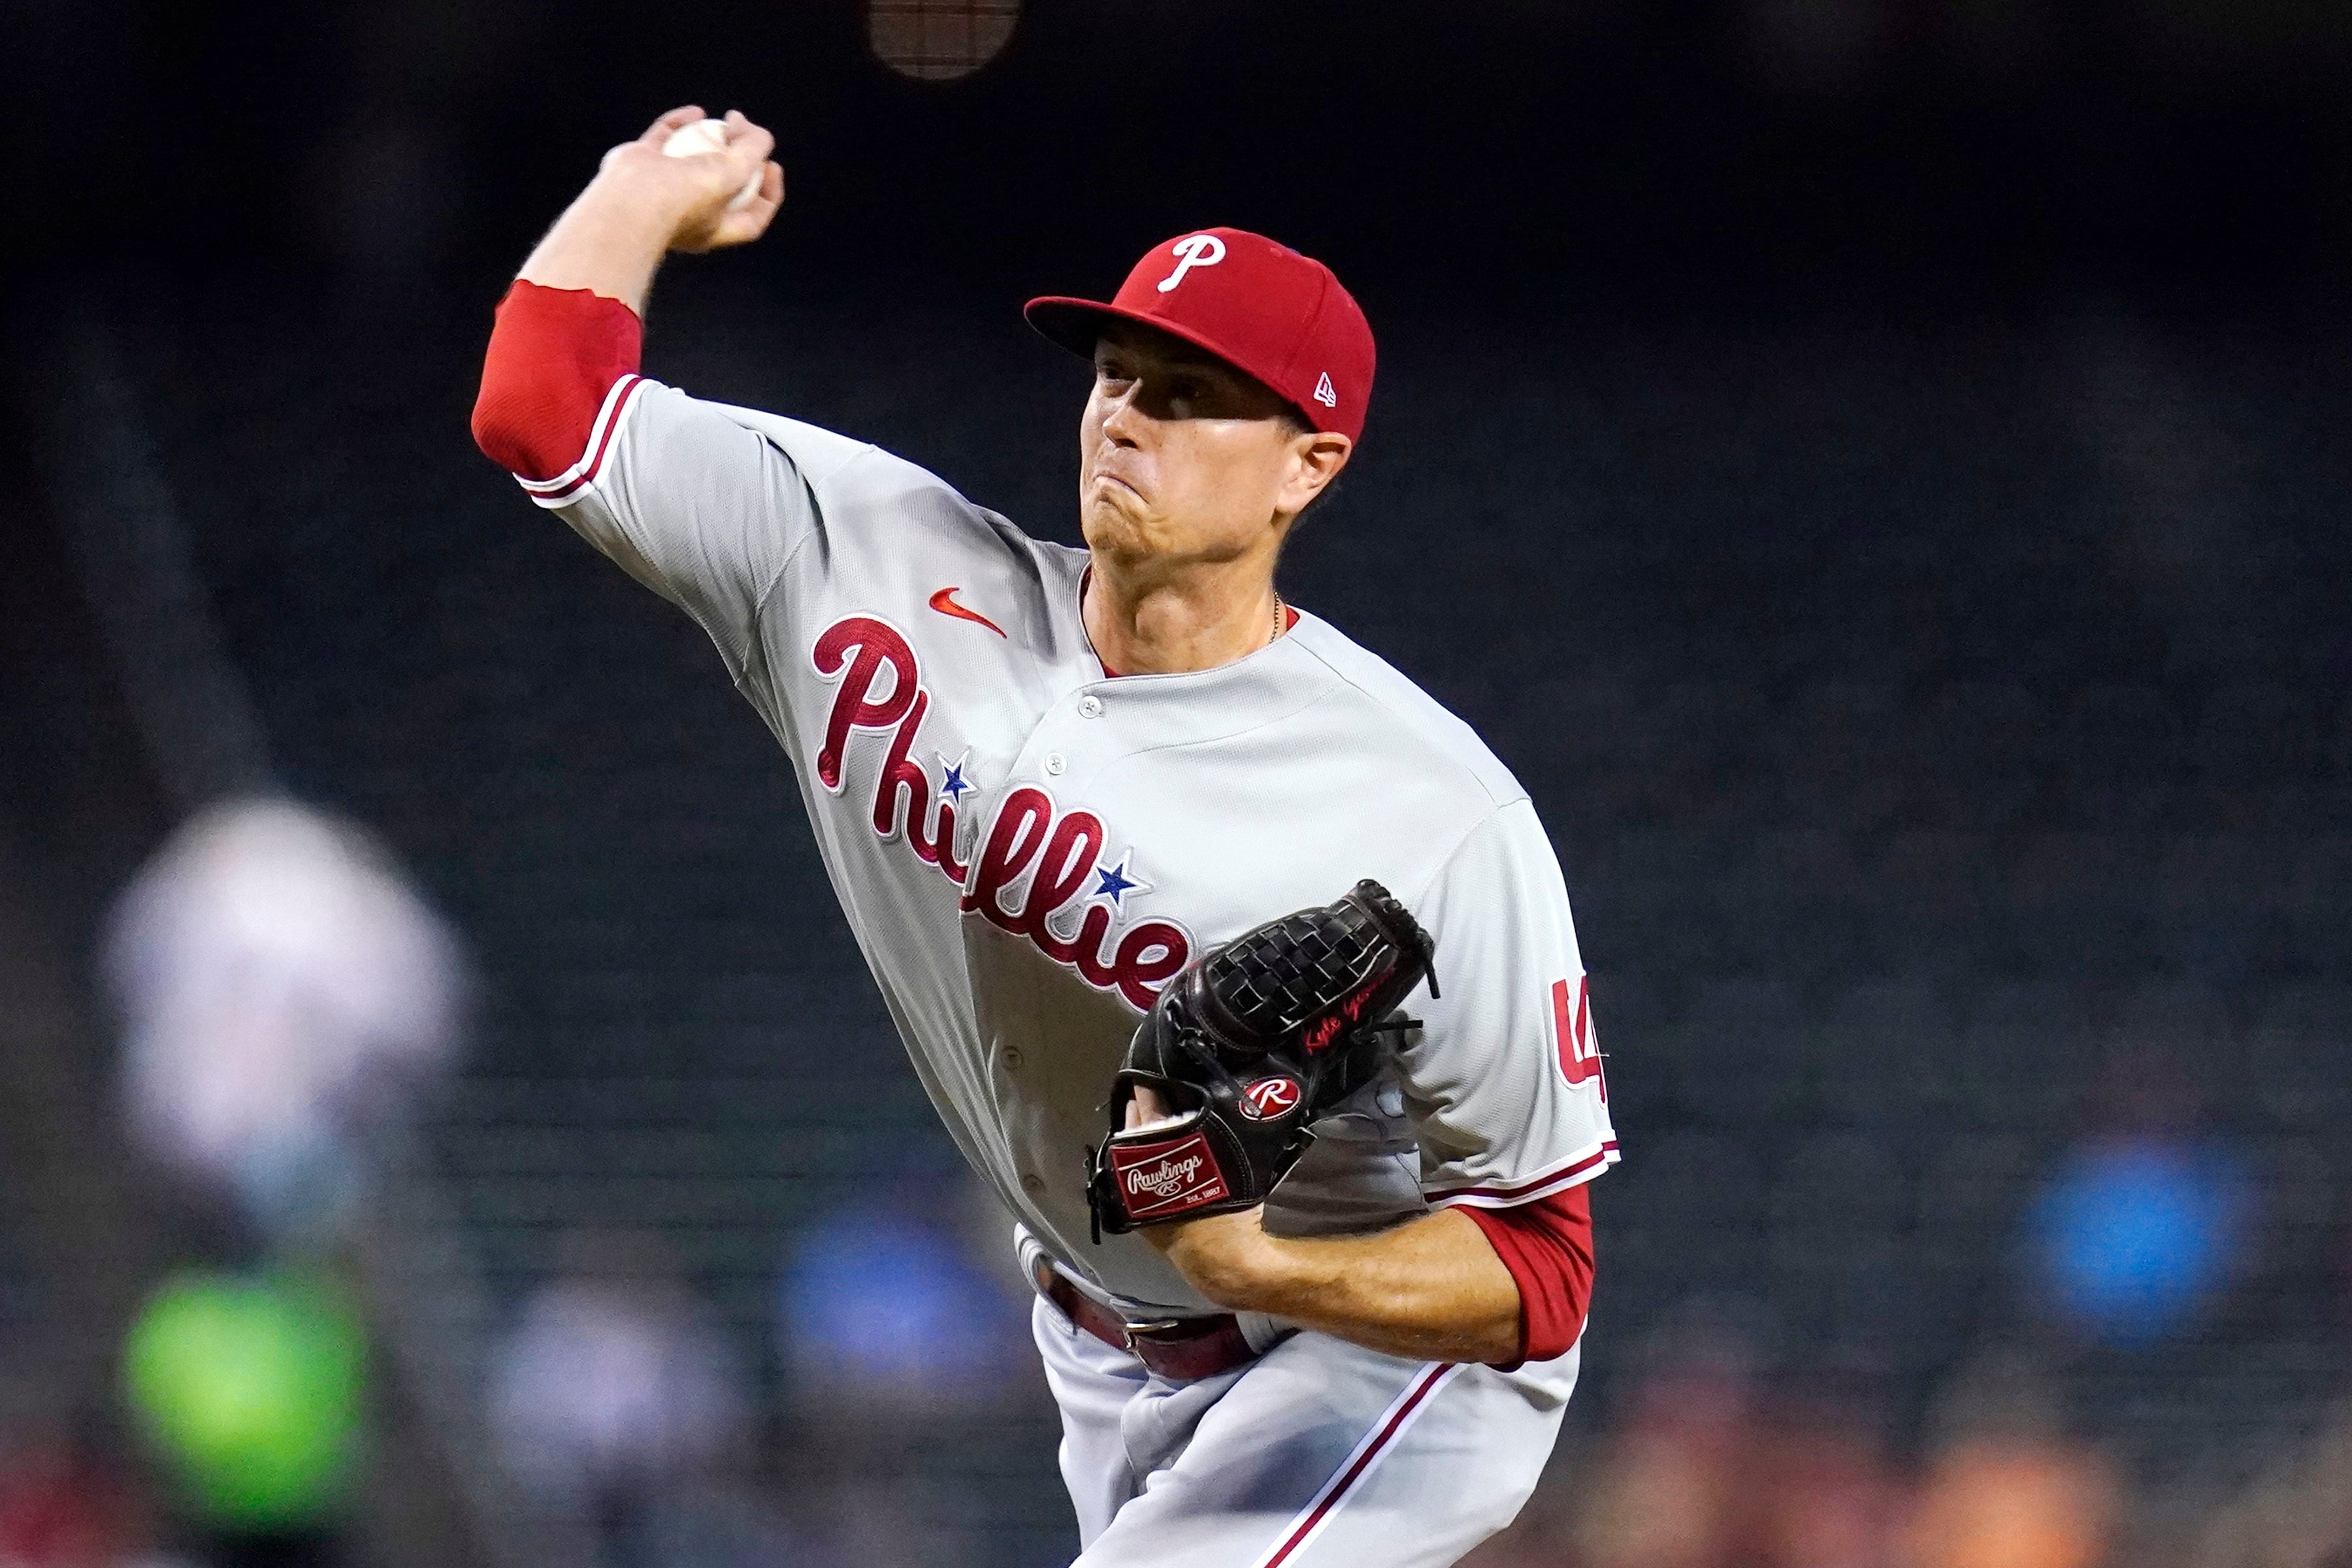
{"x": 944, "y": 602}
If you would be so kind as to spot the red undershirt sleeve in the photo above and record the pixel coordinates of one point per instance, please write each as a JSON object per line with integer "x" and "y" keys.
{"x": 554, "y": 356}
{"x": 1548, "y": 1247}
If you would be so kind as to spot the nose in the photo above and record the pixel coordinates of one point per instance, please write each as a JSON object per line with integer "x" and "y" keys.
{"x": 1122, "y": 420}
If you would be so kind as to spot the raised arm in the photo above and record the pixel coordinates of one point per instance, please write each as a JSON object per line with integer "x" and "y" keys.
{"x": 570, "y": 330}
{"x": 687, "y": 499}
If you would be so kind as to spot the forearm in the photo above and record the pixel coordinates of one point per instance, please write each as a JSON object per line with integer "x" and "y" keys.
{"x": 610, "y": 240}
{"x": 1431, "y": 1288}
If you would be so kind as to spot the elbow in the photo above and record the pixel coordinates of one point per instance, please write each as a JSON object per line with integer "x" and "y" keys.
{"x": 534, "y": 427}
{"x": 492, "y": 434}
{"x": 502, "y": 433}
{"x": 1543, "y": 1342}
{"x": 554, "y": 357}
{"x": 1545, "y": 1250}
{"x": 1550, "y": 1318}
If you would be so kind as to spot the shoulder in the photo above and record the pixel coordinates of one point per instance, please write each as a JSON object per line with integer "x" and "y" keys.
{"x": 1401, "y": 720}
{"x": 826, "y": 457}
{"x": 848, "y": 477}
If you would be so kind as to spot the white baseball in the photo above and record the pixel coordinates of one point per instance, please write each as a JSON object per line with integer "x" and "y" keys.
{"x": 709, "y": 136}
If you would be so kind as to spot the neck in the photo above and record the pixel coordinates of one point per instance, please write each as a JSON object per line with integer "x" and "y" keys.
{"x": 1153, "y": 621}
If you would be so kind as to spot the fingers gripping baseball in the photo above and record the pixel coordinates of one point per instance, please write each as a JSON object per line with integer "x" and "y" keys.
{"x": 722, "y": 186}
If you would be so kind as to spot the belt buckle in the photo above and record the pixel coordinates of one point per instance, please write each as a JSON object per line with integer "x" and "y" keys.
{"x": 1131, "y": 1331}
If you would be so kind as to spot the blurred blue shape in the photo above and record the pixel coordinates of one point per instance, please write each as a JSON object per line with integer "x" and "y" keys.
{"x": 2135, "y": 1236}
{"x": 876, "y": 1297}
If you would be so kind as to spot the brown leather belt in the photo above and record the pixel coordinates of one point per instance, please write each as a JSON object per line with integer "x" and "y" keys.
{"x": 1181, "y": 1350}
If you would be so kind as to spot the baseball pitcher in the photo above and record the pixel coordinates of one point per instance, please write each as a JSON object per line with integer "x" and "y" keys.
{"x": 1241, "y": 970}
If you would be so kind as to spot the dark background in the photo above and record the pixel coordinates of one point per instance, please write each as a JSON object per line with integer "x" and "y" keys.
{"x": 1872, "y": 468}
{"x": 1499, "y": 150}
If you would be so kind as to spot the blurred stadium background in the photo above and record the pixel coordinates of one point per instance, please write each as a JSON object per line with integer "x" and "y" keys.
{"x": 1875, "y": 469}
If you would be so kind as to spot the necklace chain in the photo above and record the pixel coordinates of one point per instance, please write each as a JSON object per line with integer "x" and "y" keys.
{"x": 1281, "y": 612}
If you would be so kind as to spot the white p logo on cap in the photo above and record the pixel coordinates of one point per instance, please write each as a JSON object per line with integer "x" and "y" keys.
{"x": 1197, "y": 250}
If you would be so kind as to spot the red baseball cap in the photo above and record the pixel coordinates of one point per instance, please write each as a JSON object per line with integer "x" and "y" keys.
{"x": 1260, "y": 307}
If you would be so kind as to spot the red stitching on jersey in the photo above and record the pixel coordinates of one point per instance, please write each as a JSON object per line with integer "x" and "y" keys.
{"x": 1030, "y": 850}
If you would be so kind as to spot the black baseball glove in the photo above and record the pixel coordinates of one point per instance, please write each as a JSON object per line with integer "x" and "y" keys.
{"x": 1245, "y": 1047}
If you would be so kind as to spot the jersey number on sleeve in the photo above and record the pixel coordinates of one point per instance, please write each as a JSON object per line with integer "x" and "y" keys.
{"x": 1572, "y": 1025}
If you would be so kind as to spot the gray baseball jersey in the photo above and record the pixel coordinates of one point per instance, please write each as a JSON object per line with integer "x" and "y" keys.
{"x": 1027, "y": 848}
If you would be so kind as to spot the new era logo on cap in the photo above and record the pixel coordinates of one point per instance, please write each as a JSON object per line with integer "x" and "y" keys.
{"x": 1258, "y": 306}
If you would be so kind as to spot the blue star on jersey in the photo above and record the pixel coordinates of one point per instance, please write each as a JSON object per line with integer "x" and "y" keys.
{"x": 952, "y": 784}
{"x": 1115, "y": 882}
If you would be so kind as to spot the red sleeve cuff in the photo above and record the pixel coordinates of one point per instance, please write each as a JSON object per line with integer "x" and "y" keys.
{"x": 1547, "y": 1245}
{"x": 554, "y": 354}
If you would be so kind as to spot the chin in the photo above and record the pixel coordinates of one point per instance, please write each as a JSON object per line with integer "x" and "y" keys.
{"x": 1107, "y": 526}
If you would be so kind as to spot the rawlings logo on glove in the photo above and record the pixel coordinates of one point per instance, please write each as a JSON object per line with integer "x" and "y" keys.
{"x": 1247, "y": 1047}
{"x": 1166, "y": 1176}
{"x": 1270, "y": 1097}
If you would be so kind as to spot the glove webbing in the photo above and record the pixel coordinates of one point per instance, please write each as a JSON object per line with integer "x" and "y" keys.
{"x": 1274, "y": 979}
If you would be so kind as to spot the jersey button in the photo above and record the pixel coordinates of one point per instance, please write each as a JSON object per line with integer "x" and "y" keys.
{"x": 1012, "y": 1058}
{"x": 1032, "y": 1183}
{"x": 1055, "y": 764}
{"x": 1090, "y": 706}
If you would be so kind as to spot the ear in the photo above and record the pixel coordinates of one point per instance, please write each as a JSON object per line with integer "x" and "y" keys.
{"x": 1316, "y": 458}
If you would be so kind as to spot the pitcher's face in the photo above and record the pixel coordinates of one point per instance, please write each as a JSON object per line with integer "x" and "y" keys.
{"x": 1183, "y": 457}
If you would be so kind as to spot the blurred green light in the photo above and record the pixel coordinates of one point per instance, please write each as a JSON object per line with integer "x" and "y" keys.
{"x": 253, "y": 1390}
